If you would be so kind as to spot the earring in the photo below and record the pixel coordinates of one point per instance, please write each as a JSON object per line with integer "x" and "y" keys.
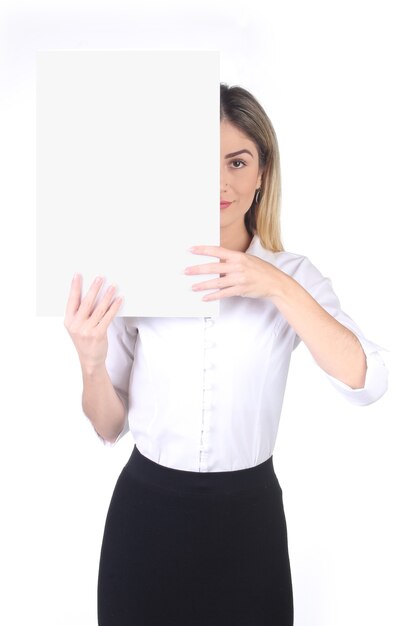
{"x": 257, "y": 195}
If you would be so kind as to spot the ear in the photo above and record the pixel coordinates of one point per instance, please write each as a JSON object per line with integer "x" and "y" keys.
{"x": 259, "y": 180}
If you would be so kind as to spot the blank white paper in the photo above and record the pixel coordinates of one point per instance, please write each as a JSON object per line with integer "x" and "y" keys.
{"x": 127, "y": 164}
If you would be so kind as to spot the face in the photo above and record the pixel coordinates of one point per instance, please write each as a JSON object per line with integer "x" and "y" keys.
{"x": 240, "y": 177}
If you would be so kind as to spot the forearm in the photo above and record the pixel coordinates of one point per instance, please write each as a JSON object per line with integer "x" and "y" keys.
{"x": 101, "y": 404}
{"x": 333, "y": 346}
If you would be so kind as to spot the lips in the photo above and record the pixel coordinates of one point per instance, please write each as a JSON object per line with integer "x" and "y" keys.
{"x": 223, "y": 205}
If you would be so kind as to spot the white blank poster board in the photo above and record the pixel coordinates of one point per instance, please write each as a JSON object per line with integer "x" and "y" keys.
{"x": 127, "y": 150}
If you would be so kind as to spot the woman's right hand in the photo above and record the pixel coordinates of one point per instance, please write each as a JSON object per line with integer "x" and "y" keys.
{"x": 87, "y": 325}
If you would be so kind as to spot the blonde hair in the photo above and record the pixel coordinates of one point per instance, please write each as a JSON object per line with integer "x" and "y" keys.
{"x": 240, "y": 108}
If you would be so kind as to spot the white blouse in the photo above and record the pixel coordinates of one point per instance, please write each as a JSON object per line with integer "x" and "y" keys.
{"x": 205, "y": 394}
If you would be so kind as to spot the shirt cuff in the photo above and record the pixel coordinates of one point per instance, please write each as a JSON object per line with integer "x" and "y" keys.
{"x": 376, "y": 378}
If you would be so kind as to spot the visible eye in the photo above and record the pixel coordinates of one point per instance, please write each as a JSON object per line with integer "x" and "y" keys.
{"x": 238, "y": 161}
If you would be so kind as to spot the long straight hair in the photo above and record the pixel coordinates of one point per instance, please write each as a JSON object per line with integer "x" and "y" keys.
{"x": 239, "y": 107}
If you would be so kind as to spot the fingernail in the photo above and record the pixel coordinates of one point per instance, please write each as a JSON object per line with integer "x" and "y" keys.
{"x": 75, "y": 276}
{"x": 98, "y": 279}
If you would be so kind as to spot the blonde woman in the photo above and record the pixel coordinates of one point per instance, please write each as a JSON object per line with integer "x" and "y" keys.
{"x": 196, "y": 533}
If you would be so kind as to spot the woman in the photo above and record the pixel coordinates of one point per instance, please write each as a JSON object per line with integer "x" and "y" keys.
{"x": 196, "y": 532}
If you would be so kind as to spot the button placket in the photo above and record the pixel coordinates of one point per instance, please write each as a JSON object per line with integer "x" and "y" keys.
{"x": 207, "y": 400}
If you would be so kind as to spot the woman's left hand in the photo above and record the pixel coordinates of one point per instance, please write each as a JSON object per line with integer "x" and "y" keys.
{"x": 242, "y": 274}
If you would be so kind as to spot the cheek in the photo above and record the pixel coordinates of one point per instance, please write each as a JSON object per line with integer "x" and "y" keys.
{"x": 246, "y": 184}
{"x": 250, "y": 185}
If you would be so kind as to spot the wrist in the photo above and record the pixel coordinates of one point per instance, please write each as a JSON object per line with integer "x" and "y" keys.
{"x": 279, "y": 286}
{"x": 93, "y": 370}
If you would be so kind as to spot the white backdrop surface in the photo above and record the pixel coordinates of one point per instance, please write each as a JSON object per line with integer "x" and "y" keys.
{"x": 338, "y": 82}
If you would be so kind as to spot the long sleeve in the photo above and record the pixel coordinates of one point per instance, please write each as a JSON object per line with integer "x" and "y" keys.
{"x": 376, "y": 381}
{"x": 121, "y": 349}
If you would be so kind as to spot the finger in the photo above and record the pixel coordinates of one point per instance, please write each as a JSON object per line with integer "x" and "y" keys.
{"x": 102, "y": 306}
{"x": 218, "y": 251}
{"x": 87, "y": 302}
{"x": 222, "y": 293}
{"x": 215, "y": 283}
{"x": 74, "y": 297}
{"x": 111, "y": 313}
{"x": 210, "y": 268}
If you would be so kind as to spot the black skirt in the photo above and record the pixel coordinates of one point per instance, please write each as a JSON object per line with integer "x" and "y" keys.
{"x": 195, "y": 549}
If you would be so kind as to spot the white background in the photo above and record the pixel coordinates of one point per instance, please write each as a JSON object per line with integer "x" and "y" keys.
{"x": 338, "y": 80}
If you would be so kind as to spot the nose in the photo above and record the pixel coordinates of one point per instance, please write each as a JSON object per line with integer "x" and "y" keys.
{"x": 224, "y": 182}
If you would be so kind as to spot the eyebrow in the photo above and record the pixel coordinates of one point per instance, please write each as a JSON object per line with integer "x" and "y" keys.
{"x": 232, "y": 154}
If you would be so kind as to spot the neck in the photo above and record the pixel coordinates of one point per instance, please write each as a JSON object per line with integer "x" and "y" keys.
{"x": 235, "y": 241}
